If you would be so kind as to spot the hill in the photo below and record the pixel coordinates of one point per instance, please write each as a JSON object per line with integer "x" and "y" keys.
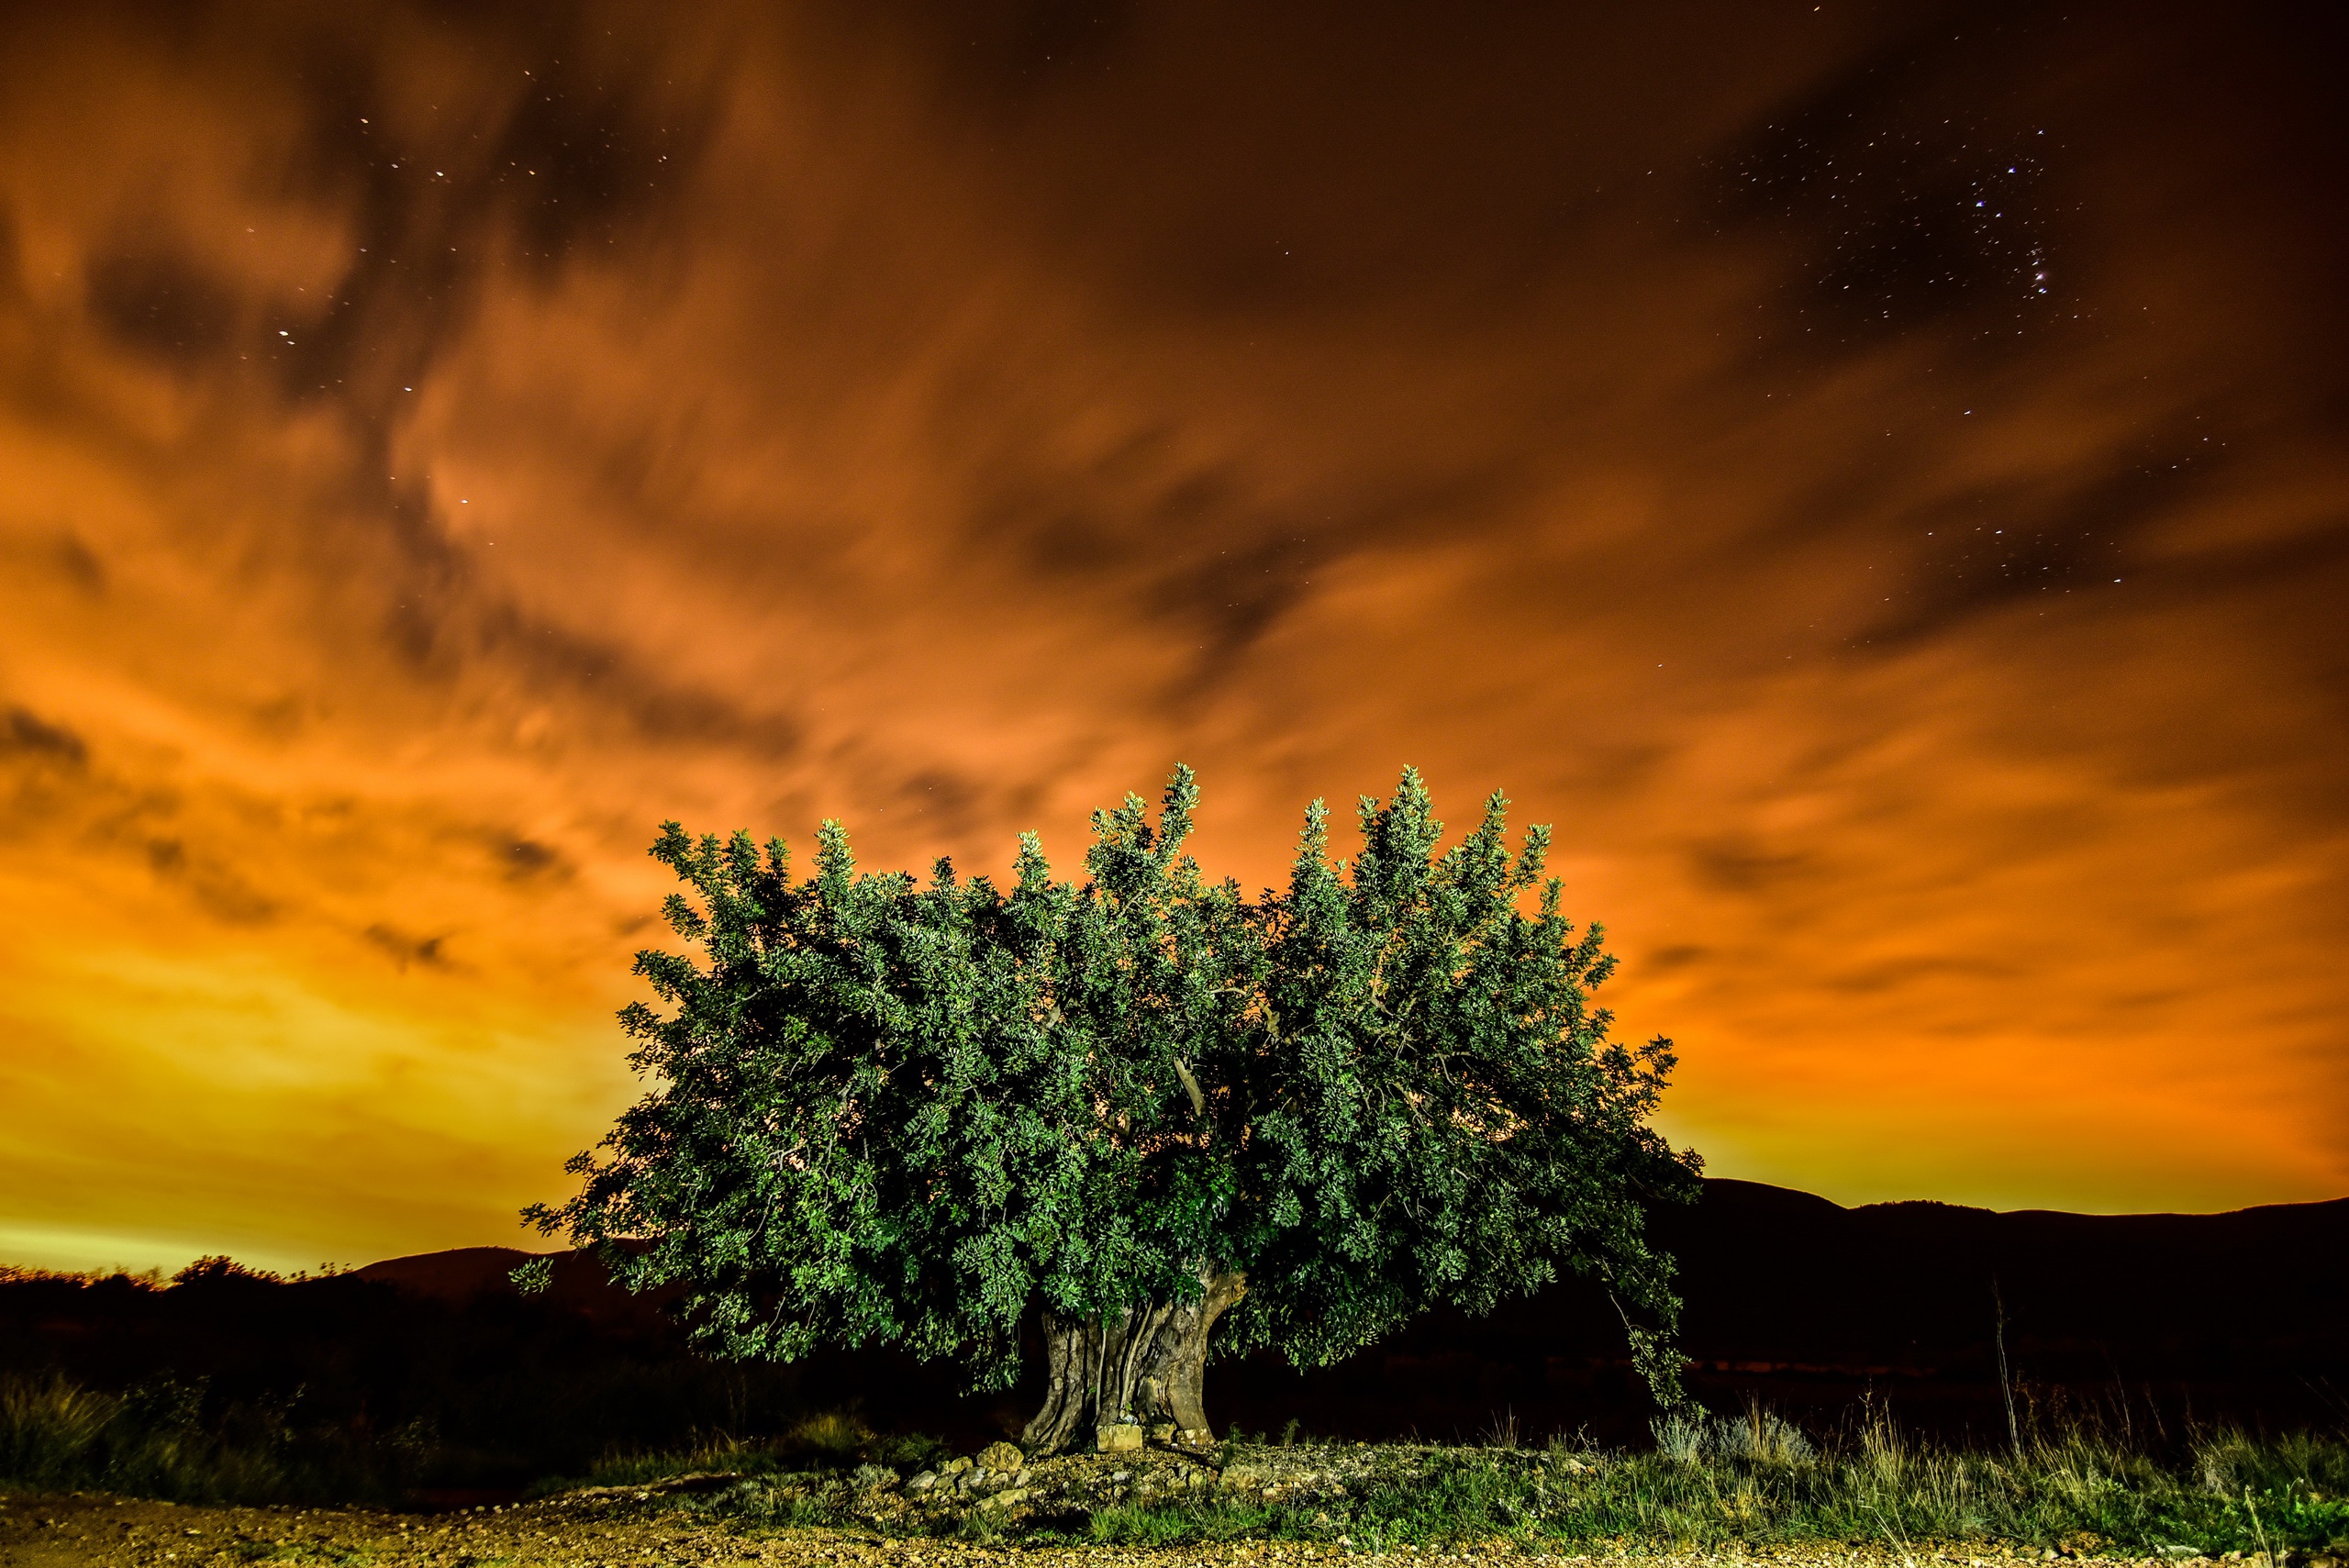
{"x": 1812, "y": 1306}
{"x": 2147, "y": 1321}
{"x": 2242, "y": 1315}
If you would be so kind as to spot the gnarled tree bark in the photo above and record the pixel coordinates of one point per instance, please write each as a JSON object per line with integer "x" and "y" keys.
{"x": 1141, "y": 1367}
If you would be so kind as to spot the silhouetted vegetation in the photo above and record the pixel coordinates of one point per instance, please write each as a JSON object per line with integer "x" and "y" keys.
{"x": 234, "y": 1386}
{"x": 1708, "y": 1481}
{"x": 429, "y": 1380}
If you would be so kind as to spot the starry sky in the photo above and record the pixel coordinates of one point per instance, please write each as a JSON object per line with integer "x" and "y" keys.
{"x": 1871, "y": 476}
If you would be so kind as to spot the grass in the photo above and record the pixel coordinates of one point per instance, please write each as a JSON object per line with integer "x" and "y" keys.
{"x": 1751, "y": 1479}
{"x": 825, "y": 1442}
{"x": 1755, "y": 1480}
{"x": 153, "y": 1441}
{"x": 1708, "y": 1481}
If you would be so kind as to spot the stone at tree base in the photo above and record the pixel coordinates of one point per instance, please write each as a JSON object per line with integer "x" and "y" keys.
{"x": 1002, "y": 1458}
{"x": 1115, "y": 1438}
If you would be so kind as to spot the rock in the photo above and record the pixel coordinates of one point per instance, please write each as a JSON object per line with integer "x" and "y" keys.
{"x": 956, "y": 1466}
{"x": 1242, "y": 1478}
{"x": 1163, "y": 1432}
{"x": 698, "y": 1481}
{"x": 1196, "y": 1437}
{"x": 923, "y": 1481}
{"x": 1119, "y": 1437}
{"x": 1007, "y": 1497}
{"x": 1004, "y": 1458}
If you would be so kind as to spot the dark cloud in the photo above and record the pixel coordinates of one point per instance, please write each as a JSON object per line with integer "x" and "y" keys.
{"x": 218, "y": 888}
{"x": 526, "y": 859}
{"x": 163, "y": 304}
{"x": 1740, "y": 867}
{"x": 558, "y": 139}
{"x": 28, "y": 734}
{"x": 405, "y": 950}
{"x": 1897, "y": 973}
{"x": 11, "y": 284}
{"x": 1912, "y": 198}
{"x": 955, "y": 802}
{"x": 80, "y": 564}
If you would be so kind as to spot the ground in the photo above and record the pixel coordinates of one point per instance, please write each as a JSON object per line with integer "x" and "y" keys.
{"x": 73, "y": 1530}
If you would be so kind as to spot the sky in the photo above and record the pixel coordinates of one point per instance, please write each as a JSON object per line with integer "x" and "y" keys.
{"x": 1872, "y": 477}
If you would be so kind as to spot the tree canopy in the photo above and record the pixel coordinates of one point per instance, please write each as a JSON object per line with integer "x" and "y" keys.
{"x": 933, "y": 1114}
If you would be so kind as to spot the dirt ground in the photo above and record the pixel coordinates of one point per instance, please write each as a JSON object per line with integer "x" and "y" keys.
{"x": 68, "y": 1531}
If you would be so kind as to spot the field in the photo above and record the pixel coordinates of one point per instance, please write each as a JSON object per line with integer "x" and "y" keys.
{"x": 420, "y": 1411}
{"x": 1748, "y": 1487}
{"x": 70, "y": 1533}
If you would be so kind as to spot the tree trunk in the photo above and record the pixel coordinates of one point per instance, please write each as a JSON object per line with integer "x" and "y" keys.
{"x": 1143, "y": 1367}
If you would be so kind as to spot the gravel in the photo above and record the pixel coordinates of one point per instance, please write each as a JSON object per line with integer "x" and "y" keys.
{"x": 614, "y": 1529}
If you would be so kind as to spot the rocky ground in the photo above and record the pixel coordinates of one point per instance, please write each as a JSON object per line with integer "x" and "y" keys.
{"x": 967, "y": 1513}
{"x": 69, "y": 1532}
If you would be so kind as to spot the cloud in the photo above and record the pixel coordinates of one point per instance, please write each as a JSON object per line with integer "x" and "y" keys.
{"x": 26, "y": 734}
{"x": 443, "y": 447}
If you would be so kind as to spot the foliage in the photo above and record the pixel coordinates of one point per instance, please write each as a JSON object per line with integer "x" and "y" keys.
{"x": 349, "y": 1388}
{"x": 2080, "y": 1491}
{"x": 217, "y": 1269}
{"x": 887, "y": 1112}
{"x": 158, "y": 1440}
{"x": 1436, "y": 1112}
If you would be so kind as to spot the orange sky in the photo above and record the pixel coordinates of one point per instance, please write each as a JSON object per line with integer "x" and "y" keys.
{"x": 436, "y": 448}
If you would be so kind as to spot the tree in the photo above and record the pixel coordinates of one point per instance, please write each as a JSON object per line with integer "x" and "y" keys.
{"x": 1118, "y": 1110}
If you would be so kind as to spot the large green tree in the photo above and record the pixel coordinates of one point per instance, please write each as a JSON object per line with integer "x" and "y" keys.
{"x": 934, "y": 1114}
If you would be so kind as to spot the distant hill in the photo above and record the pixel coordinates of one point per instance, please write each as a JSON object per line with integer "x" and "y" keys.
{"x": 464, "y": 1274}
{"x": 455, "y": 1276}
{"x": 1786, "y": 1276}
{"x": 1811, "y": 1305}
{"x": 2151, "y": 1320}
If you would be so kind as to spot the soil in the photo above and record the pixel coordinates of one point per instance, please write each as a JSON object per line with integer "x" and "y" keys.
{"x": 74, "y": 1530}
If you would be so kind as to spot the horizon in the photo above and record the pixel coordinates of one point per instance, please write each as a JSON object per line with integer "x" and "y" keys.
{"x": 1871, "y": 480}
{"x": 161, "y": 1271}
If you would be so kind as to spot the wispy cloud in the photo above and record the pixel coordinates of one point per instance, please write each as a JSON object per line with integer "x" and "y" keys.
{"x": 440, "y": 448}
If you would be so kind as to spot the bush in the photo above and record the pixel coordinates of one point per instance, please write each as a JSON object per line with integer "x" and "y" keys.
{"x": 153, "y": 1440}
